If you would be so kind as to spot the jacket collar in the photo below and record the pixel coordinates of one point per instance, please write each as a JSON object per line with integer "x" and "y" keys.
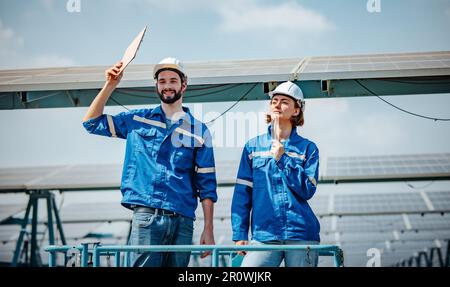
{"x": 293, "y": 137}
{"x": 159, "y": 111}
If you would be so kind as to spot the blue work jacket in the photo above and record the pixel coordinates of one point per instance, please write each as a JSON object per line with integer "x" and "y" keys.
{"x": 272, "y": 195}
{"x": 163, "y": 168}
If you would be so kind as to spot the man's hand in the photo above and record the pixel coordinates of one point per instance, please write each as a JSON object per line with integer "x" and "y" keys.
{"x": 277, "y": 149}
{"x": 112, "y": 75}
{"x": 98, "y": 104}
{"x": 242, "y": 242}
{"x": 207, "y": 238}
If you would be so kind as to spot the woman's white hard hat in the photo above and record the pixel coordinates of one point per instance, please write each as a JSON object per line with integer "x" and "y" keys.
{"x": 291, "y": 90}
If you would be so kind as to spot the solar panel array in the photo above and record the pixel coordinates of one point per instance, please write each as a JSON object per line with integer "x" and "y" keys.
{"x": 397, "y": 222}
{"x": 238, "y": 71}
{"x": 355, "y": 233}
{"x": 337, "y": 168}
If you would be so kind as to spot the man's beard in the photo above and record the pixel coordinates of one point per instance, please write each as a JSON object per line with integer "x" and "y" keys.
{"x": 176, "y": 96}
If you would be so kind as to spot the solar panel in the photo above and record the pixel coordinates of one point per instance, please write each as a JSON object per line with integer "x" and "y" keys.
{"x": 440, "y": 199}
{"x": 8, "y": 233}
{"x": 200, "y": 73}
{"x": 319, "y": 203}
{"x": 388, "y": 166}
{"x": 379, "y": 203}
{"x": 381, "y": 65}
{"x": 10, "y": 209}
{"x": 358, "y": 237}
{"x": 60, "y": 177}
{"x": 371, "y": 223}
{"x": 433, "y": 221}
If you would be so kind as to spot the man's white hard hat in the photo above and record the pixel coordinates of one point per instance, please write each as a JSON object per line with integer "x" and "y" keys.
{"x": 169, "y": 64}
{"x": 291, "y": 90}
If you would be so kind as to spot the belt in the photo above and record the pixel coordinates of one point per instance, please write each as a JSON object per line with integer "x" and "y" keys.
{"x": 155, "y": 211}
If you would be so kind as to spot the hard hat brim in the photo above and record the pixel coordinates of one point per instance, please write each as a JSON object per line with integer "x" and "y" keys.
{"x": 273, "y": 93}
{"x": 160, "y": 67}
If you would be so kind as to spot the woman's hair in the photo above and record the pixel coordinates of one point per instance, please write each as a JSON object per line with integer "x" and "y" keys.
{"x": 297, "y": 120}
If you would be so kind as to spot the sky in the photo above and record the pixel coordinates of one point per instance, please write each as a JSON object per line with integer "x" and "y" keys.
{"x": 61, "y": 33}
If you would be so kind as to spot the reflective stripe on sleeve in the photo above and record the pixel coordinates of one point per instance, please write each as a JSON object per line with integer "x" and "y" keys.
{"x": 244, "y": 182}
{"x": 206, "y": 169}
{"x": 149, "y": 122}
{"x": 112, "y": 129}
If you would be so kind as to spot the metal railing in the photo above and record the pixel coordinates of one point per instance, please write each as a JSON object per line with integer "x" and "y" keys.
{"x": 80, "y": 255}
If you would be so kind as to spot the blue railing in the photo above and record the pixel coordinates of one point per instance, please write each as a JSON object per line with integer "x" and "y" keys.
{"x": 83, "y": 252}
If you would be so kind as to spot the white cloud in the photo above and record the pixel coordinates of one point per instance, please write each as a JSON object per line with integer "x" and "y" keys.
{"x": 252, "y": 15}
{"x": 13, "y": 56}
{"x": 246, "y": 16}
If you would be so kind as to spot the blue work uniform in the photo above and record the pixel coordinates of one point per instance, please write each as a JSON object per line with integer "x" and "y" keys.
{"x": 272, "y": 195}
{"x": 164, "y": 168}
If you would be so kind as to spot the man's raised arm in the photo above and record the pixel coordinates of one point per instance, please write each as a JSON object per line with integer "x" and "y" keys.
{"x": 98, "y": 104}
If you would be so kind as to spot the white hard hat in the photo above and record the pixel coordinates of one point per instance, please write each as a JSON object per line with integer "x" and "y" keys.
{"x": 169, "y": 64}
{"x": 291, "y": 90}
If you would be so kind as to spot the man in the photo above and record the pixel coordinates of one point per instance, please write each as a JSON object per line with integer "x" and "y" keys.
{"x": 169, "y": 163}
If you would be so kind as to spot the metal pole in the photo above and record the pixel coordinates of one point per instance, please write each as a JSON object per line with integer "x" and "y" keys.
{"x": 126, "y": 259}
{"x": 215, "y": 257}
{"x": 23, "y": 230}
{"x": 51, "y": 236}
{"x": 34, "y": 247}
{"x": 58, "y": 222}
{"x": 84, "y": 254}
{"x": 96, "y": 255}
{"x": 336, "y": 257}
{"x": 117, "y": 259}
{"x": 230, "y": 260}
{"x": 52, "y": 259}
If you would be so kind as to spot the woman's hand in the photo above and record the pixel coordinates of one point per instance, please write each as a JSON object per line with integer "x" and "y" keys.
{"x": 277, "y": 149}
{"x": 242, "y": 242}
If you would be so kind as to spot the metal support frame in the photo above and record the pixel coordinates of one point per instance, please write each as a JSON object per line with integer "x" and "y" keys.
{"x": 424, "y": 259}
{"x": 34, "y": 196}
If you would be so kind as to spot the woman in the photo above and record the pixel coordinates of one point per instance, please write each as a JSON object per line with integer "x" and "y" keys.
{"x": 278, "y": 173}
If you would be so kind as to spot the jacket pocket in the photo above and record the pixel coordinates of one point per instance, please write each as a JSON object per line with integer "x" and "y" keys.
{"x": 144, "y": 139}
{"x": 259, "y": 162}
{"x": 184, "y": 157}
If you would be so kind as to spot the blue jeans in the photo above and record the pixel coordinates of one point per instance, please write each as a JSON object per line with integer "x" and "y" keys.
{"x": 151, "y": 229}
{"x": 274, "y": 258}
